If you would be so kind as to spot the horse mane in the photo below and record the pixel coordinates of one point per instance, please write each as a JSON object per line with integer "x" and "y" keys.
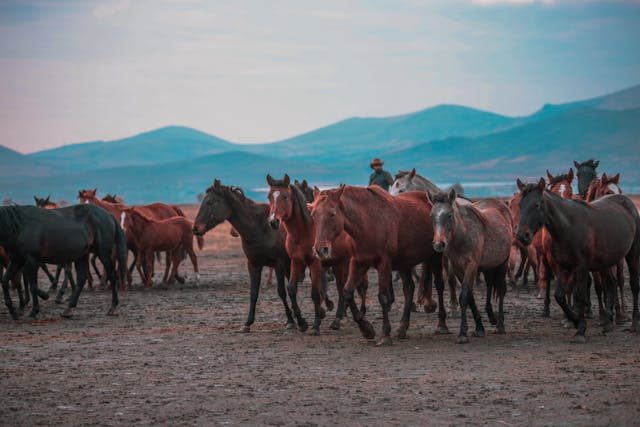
{"x": 299, "y": 199}
{"x": 379, "y": 192}
{"x": 227, "y": 190}
{"x": 143, "y": 215}
{"x": 443, "y": 197}
{"x": 400, "y": 174}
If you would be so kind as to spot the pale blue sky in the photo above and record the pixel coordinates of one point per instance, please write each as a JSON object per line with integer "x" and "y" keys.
{"x": 258, "y": 71}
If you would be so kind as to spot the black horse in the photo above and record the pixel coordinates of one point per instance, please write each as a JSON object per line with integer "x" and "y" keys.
{"x": 262, "y": 245}
{"x": 32, "y": 236}
{"x": 586, "y": 172}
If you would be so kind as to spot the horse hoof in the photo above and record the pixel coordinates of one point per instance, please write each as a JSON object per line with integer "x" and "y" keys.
{"x": 112, "y": 312}
{"x": 15, "y": 314}
{"x": 442, "y": 330}
{"x": 492, "y": 319}
{"x": 578, "y": 339}
{"x": 43, "y": 295}
{"x": 68, "y": 313}
{"x": 430, "y": 308}
{"x": 607, "y": 327}
{"x": 335, "y": 325}
{"x": 367, "y": 330}
{"x": 401, "y": 334}
{"x": 480, "y": 333}
{"x": 500, "y": 330}
{"x": 290, "y": 326}
{"x": 621, "y": 320}
{"x": 322, "y": 313}
{"x": 463, "y": 339}
{"x": 302, "y": 325}
{"x": 329, "y": 304}
{"x": 454, "y": 314}
{"x": 385, "y": 341}
{"x": 546, "y": 313}
{"x": 244, "y": 329}
{"x": 315, "y": 332}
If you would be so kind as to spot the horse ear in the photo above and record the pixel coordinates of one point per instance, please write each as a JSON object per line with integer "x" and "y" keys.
{"x": 270, "y": 180}
{"x": 570, "y": 175}
{"x": 305, "y": 184}
{"x": 412, "y": 173}
{"x": 338, "y": 193}
{"x": 616, "y": 178}
{"x": 520, "y": 184}
{"x": 596, "y": 163}
{"x": 316, "y": 191}
{"x": 48, "y": 199}
{"x": 452, "y": 195}
{"x": 310, "y": 206}
{"x": 286, "y": 179}
{"x": 542, "y": 184}
{"x": 296, "y": 182}
{"x": 216, "y": 184}
{"x": 604, "y": 177}
{"x": 576, "y": 164}
{"x": 94, "y": 191}
{"x": 429, "y": 196}
{"x": 35, "y": 198}
{"x": 549, "y": 175}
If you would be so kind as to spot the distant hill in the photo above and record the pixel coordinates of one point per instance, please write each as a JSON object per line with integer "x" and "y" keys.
{"x": 13, "y": 163}
{"x": 168, "y": 144}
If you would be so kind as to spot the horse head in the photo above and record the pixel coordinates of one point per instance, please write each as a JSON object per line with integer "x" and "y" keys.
{"x": 443, "y": 217}
{"x": 329, "y": 220}
{"x": 403, "y": 182}
{"x": 214, "y": 209}
{"x": 586, "y": 172}
{"x": 532, "y": 216}
{"x": 561, "y": 184}
{"x": 604, "y": 186}
{"x": 87, "y": 195}
{"x": 280, "y": 200}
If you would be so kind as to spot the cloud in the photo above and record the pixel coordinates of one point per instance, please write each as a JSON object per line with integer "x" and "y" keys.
{"x": 106, "y": 10}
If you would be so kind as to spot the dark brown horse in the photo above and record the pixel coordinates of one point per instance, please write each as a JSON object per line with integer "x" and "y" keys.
{"x": 390, "y": 233}
{"x": 167, "y": 235}
{"x": 528, "y": 255}
{"x": 586, "y": 172}
{"x": 585, "y": 237}
{"x": 476, "y": 238}
{"x": 288, "y": 206}
{"x": 262, "y": 245}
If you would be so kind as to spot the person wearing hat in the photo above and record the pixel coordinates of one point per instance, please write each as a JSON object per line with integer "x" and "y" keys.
{"x": 379, "y": 176}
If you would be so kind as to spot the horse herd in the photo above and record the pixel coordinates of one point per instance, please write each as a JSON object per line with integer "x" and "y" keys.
{"x": 345, "y": 231}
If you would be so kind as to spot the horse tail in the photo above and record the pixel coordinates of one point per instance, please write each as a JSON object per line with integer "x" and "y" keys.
{"x": 200, "y": 240}
{"x": 122, "y": 252}
{"x": 179, "y": 211}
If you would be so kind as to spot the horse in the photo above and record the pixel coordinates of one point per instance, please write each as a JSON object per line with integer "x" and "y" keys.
{"x": 389, "y": 233}
{"x": 411, "y": 181}
{"x": 289, "y": 206}
{"x": 112, "y": 198}
{"x": 31, "y": 236}
{"x": 586, "y": 172}
{"x": 23, "y": 292}
{"x": 156, "y": 210}
{"x": 262, "y": 245}
{"x": 168, "y": 235}
{"x": 585, "y": 237}
{"x": 476, "y": 238}
{"x": 528, "y": 255}
{"x": 601, "y": 187}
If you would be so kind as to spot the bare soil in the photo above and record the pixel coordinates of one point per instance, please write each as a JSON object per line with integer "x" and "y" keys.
{"x": 174, "y": 356}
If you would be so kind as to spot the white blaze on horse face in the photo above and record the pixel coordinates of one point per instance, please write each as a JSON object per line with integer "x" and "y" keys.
{"x": 275, "y": 196}
{"x": 272, "y": 217}
{"x": 86, "y": 202}
{"x": 613, "y": 188}
{"x": 563, "y": 189}
{"x": 123, "y": 215}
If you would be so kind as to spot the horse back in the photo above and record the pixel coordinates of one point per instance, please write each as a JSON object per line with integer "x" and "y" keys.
{"x": 496, "y": 227}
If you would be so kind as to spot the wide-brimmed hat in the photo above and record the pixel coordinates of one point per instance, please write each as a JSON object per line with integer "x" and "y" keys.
{"x": 376, "y": 162}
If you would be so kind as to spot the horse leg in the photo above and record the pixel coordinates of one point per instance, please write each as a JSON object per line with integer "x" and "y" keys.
{"x": 356, "y": 272}
{"x": 11, "y": 271}
{"x": 168, "y": 258}
{"x": 597, "y": 284}
{"x": 606, "y": 279}
{"x": 521, "y": 266}
{"x": 63, "y": 287}
{"x": 194, "y": 260}
{"x": 489, "y": 279}
{"x": 297, "y": 275}
{"x": 149, "y": 264}
{"x": 621, "y": 307}
{"x": 588, "y": 311}
{"x": 468, "y": 279}
{"x": 477, "y": 318}
{"x": 581, "y": 293}
{"x": 50, "y": 276}
{"x": 385, "y": 298}
{"x": 173, "y": 261}
{"x": 454, "y": 305}
{"x": 633, "y": 263}
{"x": 30, "y": 269}
{"x": 426, "y": 289}
{"x": 282, "y": 293}
{"x": 408, "y": 288}
{"x": 255, "y": 274}
{"x": 500, "y": 287}
{"x": 131, "y": 268}
{"x": 317, "y": 284}
{"x": 82, "y": 271}
{"x": 340, "y": 273}
{"x": 362, "y": 291}
{"x": 546, "y": 311}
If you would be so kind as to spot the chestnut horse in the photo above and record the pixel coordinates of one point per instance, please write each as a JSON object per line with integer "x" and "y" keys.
{"x": 288, "y": 206}
{"x": 476, "y": 238}
{"x": 389, "y": 233}
{"x": 167, "y": 235}
{"x": 262, "y": 245}
{"x": 585, "y": 237}
{"x": 157, "y": 211}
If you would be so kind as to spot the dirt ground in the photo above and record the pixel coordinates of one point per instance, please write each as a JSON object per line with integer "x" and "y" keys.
{"x": 174, "y": 356}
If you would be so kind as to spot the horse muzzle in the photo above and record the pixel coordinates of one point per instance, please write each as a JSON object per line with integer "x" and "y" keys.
{"x": 274, "y": 222}
{"x": 524, "y": 237}
{"x": 322, "y": 252}
{"x": 439, "y": 246}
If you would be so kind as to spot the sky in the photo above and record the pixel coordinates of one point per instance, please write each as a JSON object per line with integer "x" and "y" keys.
{"x": 254, "y": 71}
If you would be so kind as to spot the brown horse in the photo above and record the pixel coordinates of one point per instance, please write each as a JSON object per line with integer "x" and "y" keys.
{"x": 288, "y": 206}
{"x": 528, "y": 255}
{"x": 585, "y": 237}
{"x": 157, "y": 211}
{"x": 168, "y": 235}
{"x": 389, "y": 233}
{"x": 262, "y": 245}
{"x": 112, "y": 198}
{"x": 476, "y": 238}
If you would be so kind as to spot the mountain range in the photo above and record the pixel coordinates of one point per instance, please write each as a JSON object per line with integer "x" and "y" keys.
{"x": 447, "y": 143}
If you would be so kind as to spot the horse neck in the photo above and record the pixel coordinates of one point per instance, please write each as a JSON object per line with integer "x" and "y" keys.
{"x": 296, "y": 226}
{"x": 556, "y": 213}
{"x": 425, "y": 184}
{"x": 246, "y": 215}
{"x": 460, "y": 226}
{"x": 353, "y": 224}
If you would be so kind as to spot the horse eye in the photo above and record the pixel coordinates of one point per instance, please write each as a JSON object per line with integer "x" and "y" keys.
{"x": 331, "y": 215}
{"x": 285, "y": 197}
{"x": 538, "y": 205}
